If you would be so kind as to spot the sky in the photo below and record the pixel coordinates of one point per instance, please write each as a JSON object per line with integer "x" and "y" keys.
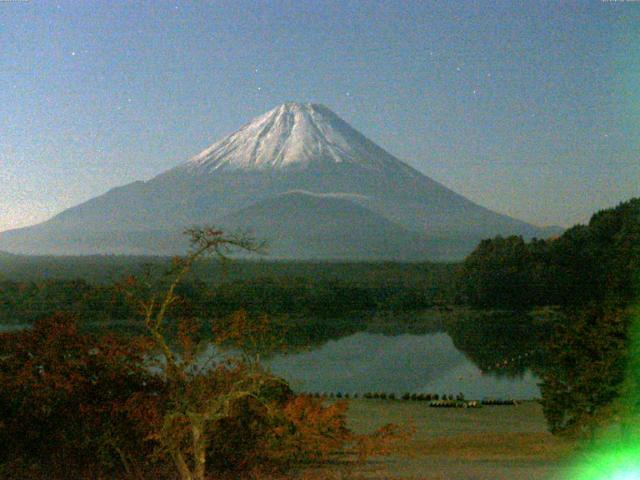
{"x": 529, "y": 108}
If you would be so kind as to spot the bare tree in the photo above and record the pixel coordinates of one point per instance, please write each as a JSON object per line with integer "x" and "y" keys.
{"x": 195, "y": 406}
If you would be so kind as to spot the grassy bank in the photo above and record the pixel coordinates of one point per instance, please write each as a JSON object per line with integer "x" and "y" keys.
{"x": 466, "y": 444}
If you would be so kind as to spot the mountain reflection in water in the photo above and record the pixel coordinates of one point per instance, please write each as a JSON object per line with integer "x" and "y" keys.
{"x": 372, "y": 362}
{"x": 478, "y": 353}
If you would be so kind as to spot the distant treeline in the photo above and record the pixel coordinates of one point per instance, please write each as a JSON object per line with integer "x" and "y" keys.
{"x": 106, "y": 269}
{"x": 290, "y": 288}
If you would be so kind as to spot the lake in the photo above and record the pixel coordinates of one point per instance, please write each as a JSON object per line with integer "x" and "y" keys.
{"x": 429, "y": 359}
{"x": 373, "y": 362}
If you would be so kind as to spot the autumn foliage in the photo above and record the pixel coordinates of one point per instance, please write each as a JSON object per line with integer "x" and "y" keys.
{"x": 66, "y": 403}
{"x": 75, "y": 405}
{"x": 101, "y": 406}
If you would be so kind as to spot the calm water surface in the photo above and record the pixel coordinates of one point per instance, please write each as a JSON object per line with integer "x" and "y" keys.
{"x": 370, "y": 362}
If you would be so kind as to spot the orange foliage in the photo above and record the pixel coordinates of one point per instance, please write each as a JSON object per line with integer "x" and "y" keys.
{"x": 64, "y": 399}
{"x": 308, "y": 431}
{"x": 252, "y": 334}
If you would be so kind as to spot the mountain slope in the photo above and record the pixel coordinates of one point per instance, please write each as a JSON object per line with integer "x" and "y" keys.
{"x": 293, "y": 147}
{"x": 305, "y": 225}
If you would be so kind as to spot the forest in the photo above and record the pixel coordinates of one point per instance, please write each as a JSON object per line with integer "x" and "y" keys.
{"x": 33, "y": 287}
{"x": 595, "y": 263}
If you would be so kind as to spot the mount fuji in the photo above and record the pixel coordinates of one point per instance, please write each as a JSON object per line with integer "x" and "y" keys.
{"x": 298, "y": 176}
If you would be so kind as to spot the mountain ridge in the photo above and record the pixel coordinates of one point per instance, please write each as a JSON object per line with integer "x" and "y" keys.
{"x": 293, "y": 147}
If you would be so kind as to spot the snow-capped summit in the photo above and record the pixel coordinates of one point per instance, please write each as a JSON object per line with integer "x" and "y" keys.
{"x": 292, "y": 136}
